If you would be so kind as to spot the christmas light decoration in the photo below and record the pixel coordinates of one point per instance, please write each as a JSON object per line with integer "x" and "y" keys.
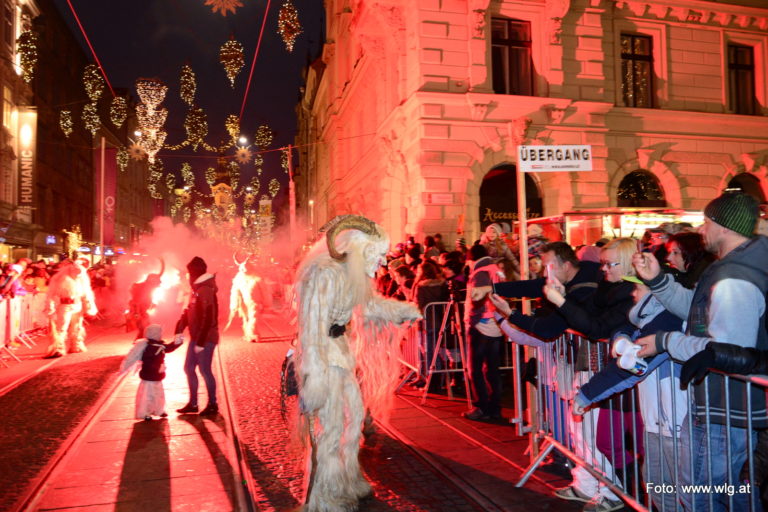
{"x": 188, "y": 85}
{"x": 285, "y": 154}
{"x": 263, "y": 137}
{"x": 26, "y": 46}
{"x": 224, "y": 6}
{"x": 210, "y": 175}
{"x": 187, "y": 176}
{"x": 258, "y": 160}
{"x": 231, "y": 57}
{"x": 232, "y": 124}
{"x": 274, "y": 187}
{"x": 170, "y": 182}
{"x": 156, "y": 170}
{"x": 151, "y": 91}
{"x": 65, "y": 122}
{"x": 93, "y": 81}
{"x": 234, "y": 175}
{"x": 151, "y": 119}
{"x": 122, "y": 157}
{"x": 288, "y": 25}
{"x": 91, "y": 118}
{"x": 118, "y": 111}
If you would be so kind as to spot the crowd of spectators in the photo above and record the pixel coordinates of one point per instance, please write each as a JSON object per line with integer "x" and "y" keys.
{"x": 30, "y": 277}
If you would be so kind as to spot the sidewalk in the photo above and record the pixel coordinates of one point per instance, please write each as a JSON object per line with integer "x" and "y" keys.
{"x": 487, "y": 458}
{"x": 124, "y": 464}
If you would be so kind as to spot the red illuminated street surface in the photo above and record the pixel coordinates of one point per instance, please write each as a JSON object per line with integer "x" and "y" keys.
{"x": 426, "y": 458}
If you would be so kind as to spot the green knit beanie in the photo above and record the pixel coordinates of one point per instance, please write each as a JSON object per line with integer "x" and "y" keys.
{"x": 734, "y": 210}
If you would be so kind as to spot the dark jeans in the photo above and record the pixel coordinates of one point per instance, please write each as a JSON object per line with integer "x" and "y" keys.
{"x": 203, "y": 360}
{"x": 485, "y": 351}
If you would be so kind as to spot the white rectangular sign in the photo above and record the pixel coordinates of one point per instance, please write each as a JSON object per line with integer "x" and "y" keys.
{"x": 573, "y": 158}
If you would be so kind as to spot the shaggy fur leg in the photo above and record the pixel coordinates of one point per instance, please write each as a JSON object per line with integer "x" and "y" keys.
{"x": 352, "y": 433}
{"x": 76, "y": 334}
{"x": 330, "y": 489}
{"x": 59, "y": 326}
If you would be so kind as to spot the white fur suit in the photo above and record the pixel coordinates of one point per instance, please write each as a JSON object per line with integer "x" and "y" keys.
{"x": 332, "y": 283}
{"x": 70, "y": 297}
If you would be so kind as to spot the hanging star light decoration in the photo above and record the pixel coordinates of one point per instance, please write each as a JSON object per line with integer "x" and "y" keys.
{"x": 93, "y": 81}
{"x": 231, "y": 57}
{"x": 274, "y": 186}
{"x": 188, "y": 85}
{"x": 136, "y": 152}
{"x": 263, "y": 137}
{"x": 288, "y": 25}
{"x": 26, "y": 46}
{"x": 91, "y": 118}
{"x": 122, "y": 158}
{"x": 118, "y": 111}
{"x": 65, "y": 122}
{"x": 223, "y": 6}
{"x": 243, "y": 155}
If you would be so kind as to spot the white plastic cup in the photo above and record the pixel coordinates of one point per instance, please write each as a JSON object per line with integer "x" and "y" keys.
{"x": 630, "y": 362}
{"x": 621, "y": 345}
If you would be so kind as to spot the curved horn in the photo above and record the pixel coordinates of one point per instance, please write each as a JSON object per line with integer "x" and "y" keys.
{"x": 341, "y": 223}
{"x": 238, "y": 263}
{"x": 162, "y": 267}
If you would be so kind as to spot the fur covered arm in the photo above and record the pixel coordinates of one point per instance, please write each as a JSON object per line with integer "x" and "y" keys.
{"x": 318, "y": 294}
{"x": 382, "y": 311}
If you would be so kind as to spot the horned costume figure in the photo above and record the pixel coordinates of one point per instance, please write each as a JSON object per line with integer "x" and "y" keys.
{"x": 334, "y": 282}
{"x": 142, "y": 302}
{"x": 70, "y": 298}
{"x": 241, "y": 301}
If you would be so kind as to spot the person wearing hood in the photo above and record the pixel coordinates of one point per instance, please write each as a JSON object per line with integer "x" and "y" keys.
{"x": 726, "y": 306}
{"x": 201, "y": 317}
{"x": 485, "y": 337}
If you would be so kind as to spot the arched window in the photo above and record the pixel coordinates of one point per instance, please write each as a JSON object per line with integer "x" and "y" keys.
{"x": 749, "y": 184}
{"x": 498, "y": 196}
{"x": 640, "y": 188}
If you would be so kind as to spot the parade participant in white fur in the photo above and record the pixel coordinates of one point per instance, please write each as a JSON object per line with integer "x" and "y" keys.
{"x": 150, "y": 352}
{"x": 70, "y": 297}
{"x": 241, "y": 301}
{"x": 333, "y": 282}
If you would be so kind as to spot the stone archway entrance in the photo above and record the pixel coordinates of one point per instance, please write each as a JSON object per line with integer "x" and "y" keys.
{"x": 498, "y": 196}
{"x": 749, "y": 184}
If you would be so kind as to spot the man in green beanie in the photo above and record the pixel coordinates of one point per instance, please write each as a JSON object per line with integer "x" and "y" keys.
{"x": 727, "y": 306}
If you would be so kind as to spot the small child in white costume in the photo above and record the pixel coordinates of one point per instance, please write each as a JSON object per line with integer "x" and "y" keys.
{"x": 150, "y": 352}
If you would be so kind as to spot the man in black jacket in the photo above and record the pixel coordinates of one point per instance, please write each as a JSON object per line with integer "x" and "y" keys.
{"x": 201, "y": 316}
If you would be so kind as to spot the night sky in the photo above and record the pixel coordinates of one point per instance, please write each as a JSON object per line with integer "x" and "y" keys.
{"x": 155, "y": 38}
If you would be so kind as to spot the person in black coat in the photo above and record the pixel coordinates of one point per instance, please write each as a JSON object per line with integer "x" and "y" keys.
{"x": 201, "y": 317}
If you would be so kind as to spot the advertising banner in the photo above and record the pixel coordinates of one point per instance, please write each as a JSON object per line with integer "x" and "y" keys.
{"x": 27, "y": 156}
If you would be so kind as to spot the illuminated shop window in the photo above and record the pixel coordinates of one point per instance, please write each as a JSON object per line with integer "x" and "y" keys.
{"x": 640, "y": 188}
{"x": 637, "y": 70}
{"x": 741, "y": 79}
{"x": 511, "y": 57}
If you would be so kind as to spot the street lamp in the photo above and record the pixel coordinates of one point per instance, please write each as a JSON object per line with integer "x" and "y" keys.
{"x": 312, "y": 215}
{"x": 242, "y": 140}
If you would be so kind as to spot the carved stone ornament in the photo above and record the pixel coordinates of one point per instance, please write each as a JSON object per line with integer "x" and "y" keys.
{"x": 478, "y": 27}
{"x": 556, "y": 11}
{"x": 519, "y": 129}
{"x": 554, "y": 114}
{"x": 478, "y": 111}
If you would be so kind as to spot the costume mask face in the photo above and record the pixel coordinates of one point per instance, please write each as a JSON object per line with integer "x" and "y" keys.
{"x": 375, "y": 256}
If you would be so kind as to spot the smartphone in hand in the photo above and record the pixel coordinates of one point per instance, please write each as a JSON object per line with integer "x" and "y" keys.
{"x": 549, "y": 272}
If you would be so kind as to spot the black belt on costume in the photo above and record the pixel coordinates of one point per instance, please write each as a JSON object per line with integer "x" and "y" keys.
{"x": 337, "y": 330}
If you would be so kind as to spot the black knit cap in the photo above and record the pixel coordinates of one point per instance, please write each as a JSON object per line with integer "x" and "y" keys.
{"x": 736, "y": 211}
{"x": 197, "y": 267}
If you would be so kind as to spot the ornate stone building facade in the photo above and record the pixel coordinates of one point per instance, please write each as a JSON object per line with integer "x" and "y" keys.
{"x": 413, "y": 104}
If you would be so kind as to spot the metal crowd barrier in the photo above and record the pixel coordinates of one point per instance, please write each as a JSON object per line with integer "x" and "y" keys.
{"x": 656, "y": 447}
{"x": 19, "y": 316}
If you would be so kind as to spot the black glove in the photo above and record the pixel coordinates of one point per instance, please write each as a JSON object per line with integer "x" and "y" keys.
{"x": 697, "y": 367}
{"x": 726, "y": 358}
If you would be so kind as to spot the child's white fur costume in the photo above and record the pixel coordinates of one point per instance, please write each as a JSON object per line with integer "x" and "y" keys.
{"x": 332, "y": 283}
{"x": 241, "y": 301}
{"x": 70, "y": 297}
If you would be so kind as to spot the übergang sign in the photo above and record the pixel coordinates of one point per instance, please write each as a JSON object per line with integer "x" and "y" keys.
{"x": 572, "y": 158}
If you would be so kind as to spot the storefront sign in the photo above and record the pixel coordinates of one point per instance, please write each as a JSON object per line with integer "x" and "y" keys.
{"x": 573, "y": 158}
{"x": 491, "y": 216}
{"x": 50, "y": 240}
{"x": 433, "y": 198}
{"x": 27, "y": 156}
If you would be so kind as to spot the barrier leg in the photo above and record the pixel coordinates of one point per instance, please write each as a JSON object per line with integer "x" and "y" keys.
{"x": 534, "y": 465}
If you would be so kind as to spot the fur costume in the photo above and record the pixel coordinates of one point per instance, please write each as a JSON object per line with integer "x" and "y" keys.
{"x": 70, "y": 297}
{"x": 241, "y": 301}
{"x": 333, "y": 283}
